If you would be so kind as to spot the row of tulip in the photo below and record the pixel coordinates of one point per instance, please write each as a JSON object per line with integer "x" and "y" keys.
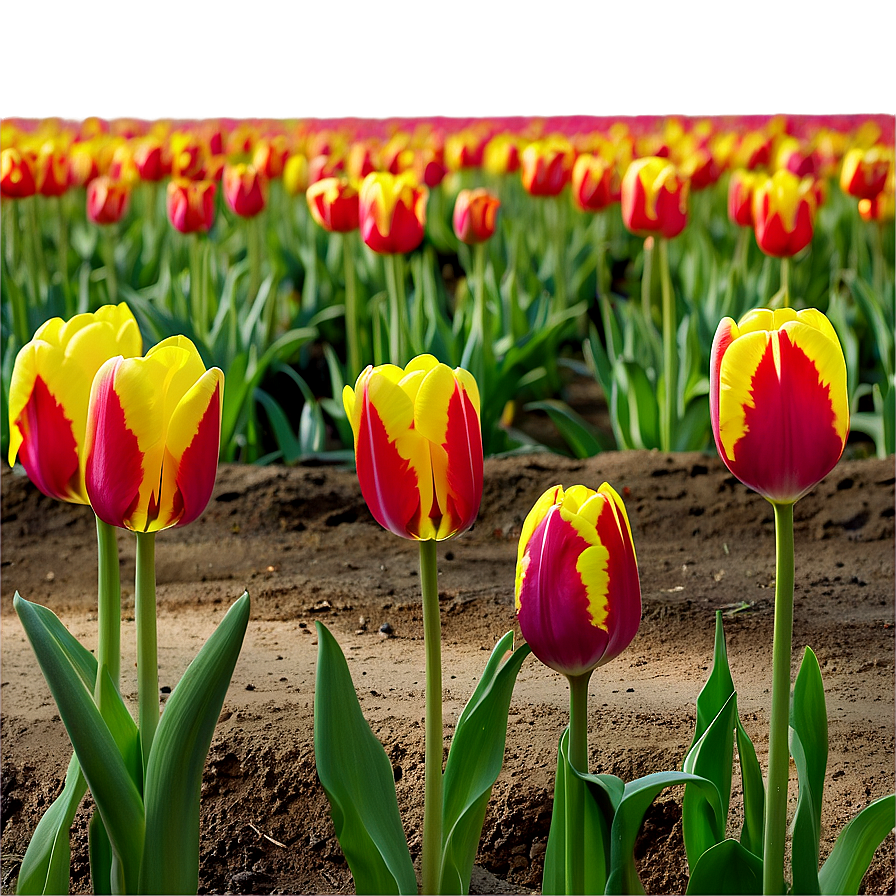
{"x": 322, "y": 241}
{"x": 137, "y": 438}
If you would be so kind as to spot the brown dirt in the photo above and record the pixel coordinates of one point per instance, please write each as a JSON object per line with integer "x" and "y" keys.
{"x": 303, "y": 543}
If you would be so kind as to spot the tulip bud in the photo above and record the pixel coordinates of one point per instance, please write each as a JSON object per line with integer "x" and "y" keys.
{"x": 501, "y": 155}
{"x": 270, "y": 155}
{"x": 595, "y": 183}
{"x": 740, "y": 196}
{"x": 16, "y": 174}
{"x": 474, "y": 215}
{"x": 107, "y": 200}
{"x": 333, "y": 203}
{"x": 191, "y": 204}
{"x": 578, "y": 595}
{"x": 654, "y": 198}
{"x": 244, "y": 189}
{"x": 392, "y": 212}
{"x": 783, "y": 213}
{"x": 418, "y": 447}
{"x": 149, "y": 159}
{"x": 778, "y": 400}
{"x": 51, "y": 170}
{"x": 864, "y": 172}
{"x": 546, "y": 166}
{"x": 295, "y": 174}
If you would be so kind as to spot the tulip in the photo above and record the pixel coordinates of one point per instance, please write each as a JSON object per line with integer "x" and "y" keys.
{"x": 362, "y": 159}
{"x": 753, "y": 150}
{"x": 295, "y": 174}
{"x": 82, "y": 164}
{"x": 333, "y": 203}
{"x": 783, "y": 214}
{"x": 418, "y": 447}
{"x": 270, "y": 155}
{"x": 465, "y": 149}
{"x": 546, "y": 166}
{"x": 740, "y": 196}
{"x": 881, "y": 208}
{"x": 51, "y": 169}
{"x": 502, "y": 154}
{"x": 123, "y": 166}
{"x": 107, "y": 200}
{"x": 475, "y": 212}
{"x": 244, "y": 189}
{"x": 149, "y": 159}
{"x": 654, "y": 198}
{"x": 392, "y": 211}
{"x": 16, "y": 174}
{"x": 191, "y": 204}
{"x": 778, "y": 400}
{"x": 864, "y": 172}
{"x": 153, "y": 431}
{"x": 324, "y": 165}
{"x": 49, "y": 391}
{"x": 795, "y": 156}
{"x": 595, "y": 183}
{"x": 187, "y": 155}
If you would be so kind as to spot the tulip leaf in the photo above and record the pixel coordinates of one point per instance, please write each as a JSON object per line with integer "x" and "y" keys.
{"x": 109, "y": 779}
{"x": 718, "y": 688}
{"x": 583, "y": 438}
{"x": 726, "y": 869}
{"x": 46, "y": 865}
{"x": 474, "y": 762}
{"x": 358, "y": 779}
{"x": 629, "y": 817}
{"x": 844, "y": 868}
{"x": 600, "y": 795}
{"x": 101, "y": 857}
{"x": 809, "y": 748}
{"x": 177, "y": 759}
{"x": 640, "y": 394}
{"x": 754, "y": 792}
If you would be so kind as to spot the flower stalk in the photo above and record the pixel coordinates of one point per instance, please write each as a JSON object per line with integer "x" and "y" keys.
{"x": 147, "y": 642}
{"x": 108, "y": 654}
{"x": 575, "y": 805}
{"x": 670, "y": 353}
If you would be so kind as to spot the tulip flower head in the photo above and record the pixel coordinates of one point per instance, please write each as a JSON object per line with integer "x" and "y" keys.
{"x": 191, "y": 204}
{"x": 295, "y": 174}
{"x": 784, "y": 213}
{"x": 392, "y": 211}
{"x": 546, "y": 166}
{"x": 418, "y": 447}
{"x": 49, "y": 392}
{"x": 245, "y": 189}
{"x": 778, "y": 400}
{"x": 150, "y": 161}
{"x": 51, "y": 169}
{"x": 595, "y": 183}
{"x": 153, "y": 434}
{"x": 654, "y": 198}
{"x": 333, "y": 203}
{"x": 107, "y": 200}
{"x": 864, "y": 172}
{"x": 741, "y": 187}
{"x": 475, "y": 213}
{"x": 578, "y": 596}
{"x": 16, "y": 174}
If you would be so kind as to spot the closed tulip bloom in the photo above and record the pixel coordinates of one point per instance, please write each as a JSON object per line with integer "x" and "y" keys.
{"x": 153, "y": 434}
{"x": 795, "y": 156}
{"x": 16, "y": 174}
{"x": 82, "y": 164}
{"x": 546, "y": 166}
{"x": 783, "y": 213}
{"x": 191, "y": 204}
{"x": 187, "y": 155}
{"x": 150, "y": 161}
{"x": 595, "y": 183}
{"x": 740, "y": 196}
{"x": 51, "y": 169}
{"x": 295, "y": 174}
{"x": 654, "y": 198}
{"x": 244, "y": 189}
{"x": 270, "y": 154}
{"x": 475, "y": 213}
{"x": 49, "y": 392}
{"x": 882, "y": 207}
{"x": 107, "y": 200}
{"x": 502, "y": 154}
{"x": 864, "y": 172}
{"x": 392, "y": 210}
{"x": 333, "y": 203}
{"x": 418, "y": 447}
{"x": 578, "y": 596}
{"x": 778, "y": 401}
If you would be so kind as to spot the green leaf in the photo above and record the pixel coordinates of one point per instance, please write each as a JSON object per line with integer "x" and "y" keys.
{"x": 46, "y": 865}
{"x": 726, "y": 869}
{"x": 809, "y": 748}
{"x": 582, "y": 438}
{"x": 844, "y": 868}
{"x": 629, "y": 817}
{"x": 474, "y": 762}
{"x": 101, "y": 857}
{"x": 754, "y": 792}
{"x": 600, "y": 796}
{"x": 640, "y": 394}
{"x": 177, "y": 758}
{"x": 114, "y": 792}
{"x": 357, "y": 776}
{"x": 718, "y": 688}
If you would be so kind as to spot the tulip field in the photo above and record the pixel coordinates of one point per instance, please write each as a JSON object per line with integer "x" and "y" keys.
{"x": 524, "y": 497}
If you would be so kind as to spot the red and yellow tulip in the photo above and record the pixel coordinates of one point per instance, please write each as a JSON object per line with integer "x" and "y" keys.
{"x": 392, "y": 212}
{"x": 546, "y": 166}
{"x": 778, "y": 400}
{"x": 16, "y": 174}
{"x": 153, "y": 434}
{"x": 741, "y": 187}
{"x": 150, "y": 161}
{"x": 578, "y": 596}
{"x": 595, "y": 182}
{"x": 333, "y": 203}
{"x": 654, "y": 198}
{"x": 864, "y": 172}
{"x": 51, "y": 169}
{"x": 245, "y": 189}
{"x": 191, "y": 204}
{"x": 784, "y": 213}
{"x": 107, "y": 200}
{"x": 418, "y": 447}
{"x": 49, "y": 392}
{"x": 475, "y": 214}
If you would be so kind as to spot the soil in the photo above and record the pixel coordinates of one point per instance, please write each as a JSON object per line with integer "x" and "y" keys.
{"x": 304, "y": 545}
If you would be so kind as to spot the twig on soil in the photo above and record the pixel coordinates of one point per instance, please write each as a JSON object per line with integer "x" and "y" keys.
{"x": 266, "y": 837}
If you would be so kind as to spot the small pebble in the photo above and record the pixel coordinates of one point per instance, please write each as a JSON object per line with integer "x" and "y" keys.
{"x": 386, "y": 629}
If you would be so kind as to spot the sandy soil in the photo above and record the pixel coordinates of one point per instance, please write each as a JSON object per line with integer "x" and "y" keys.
{"x": 303, "y": 543}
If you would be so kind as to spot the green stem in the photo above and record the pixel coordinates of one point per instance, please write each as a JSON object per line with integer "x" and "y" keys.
{"x": 147, "y": 642}
{"x": 670, "y": 359}
{"x": 785, "y": 282}
{"x": 486, "y": 361}
{"x": 33, "y": 252}
{"x": 352, "y": 323}
{"x": 575, "y": 803}
{"x": 108, "y": 652}
{"x": 11, "y": 262}
{"x": 254, "y": 237}
{"x": 108, "y": 238}
{"x": 432, "y": 638}
{"x": 603, "y": 272}
{"x": 560, "y": 296}
{"x": 198, "y": 308}
{"x": 647, "y": 280}
{"x": 62, "y": 247}
{"x": 778, "y": 751}
{"x": 398, "y": 307}
{"x": 878, "y": 264}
